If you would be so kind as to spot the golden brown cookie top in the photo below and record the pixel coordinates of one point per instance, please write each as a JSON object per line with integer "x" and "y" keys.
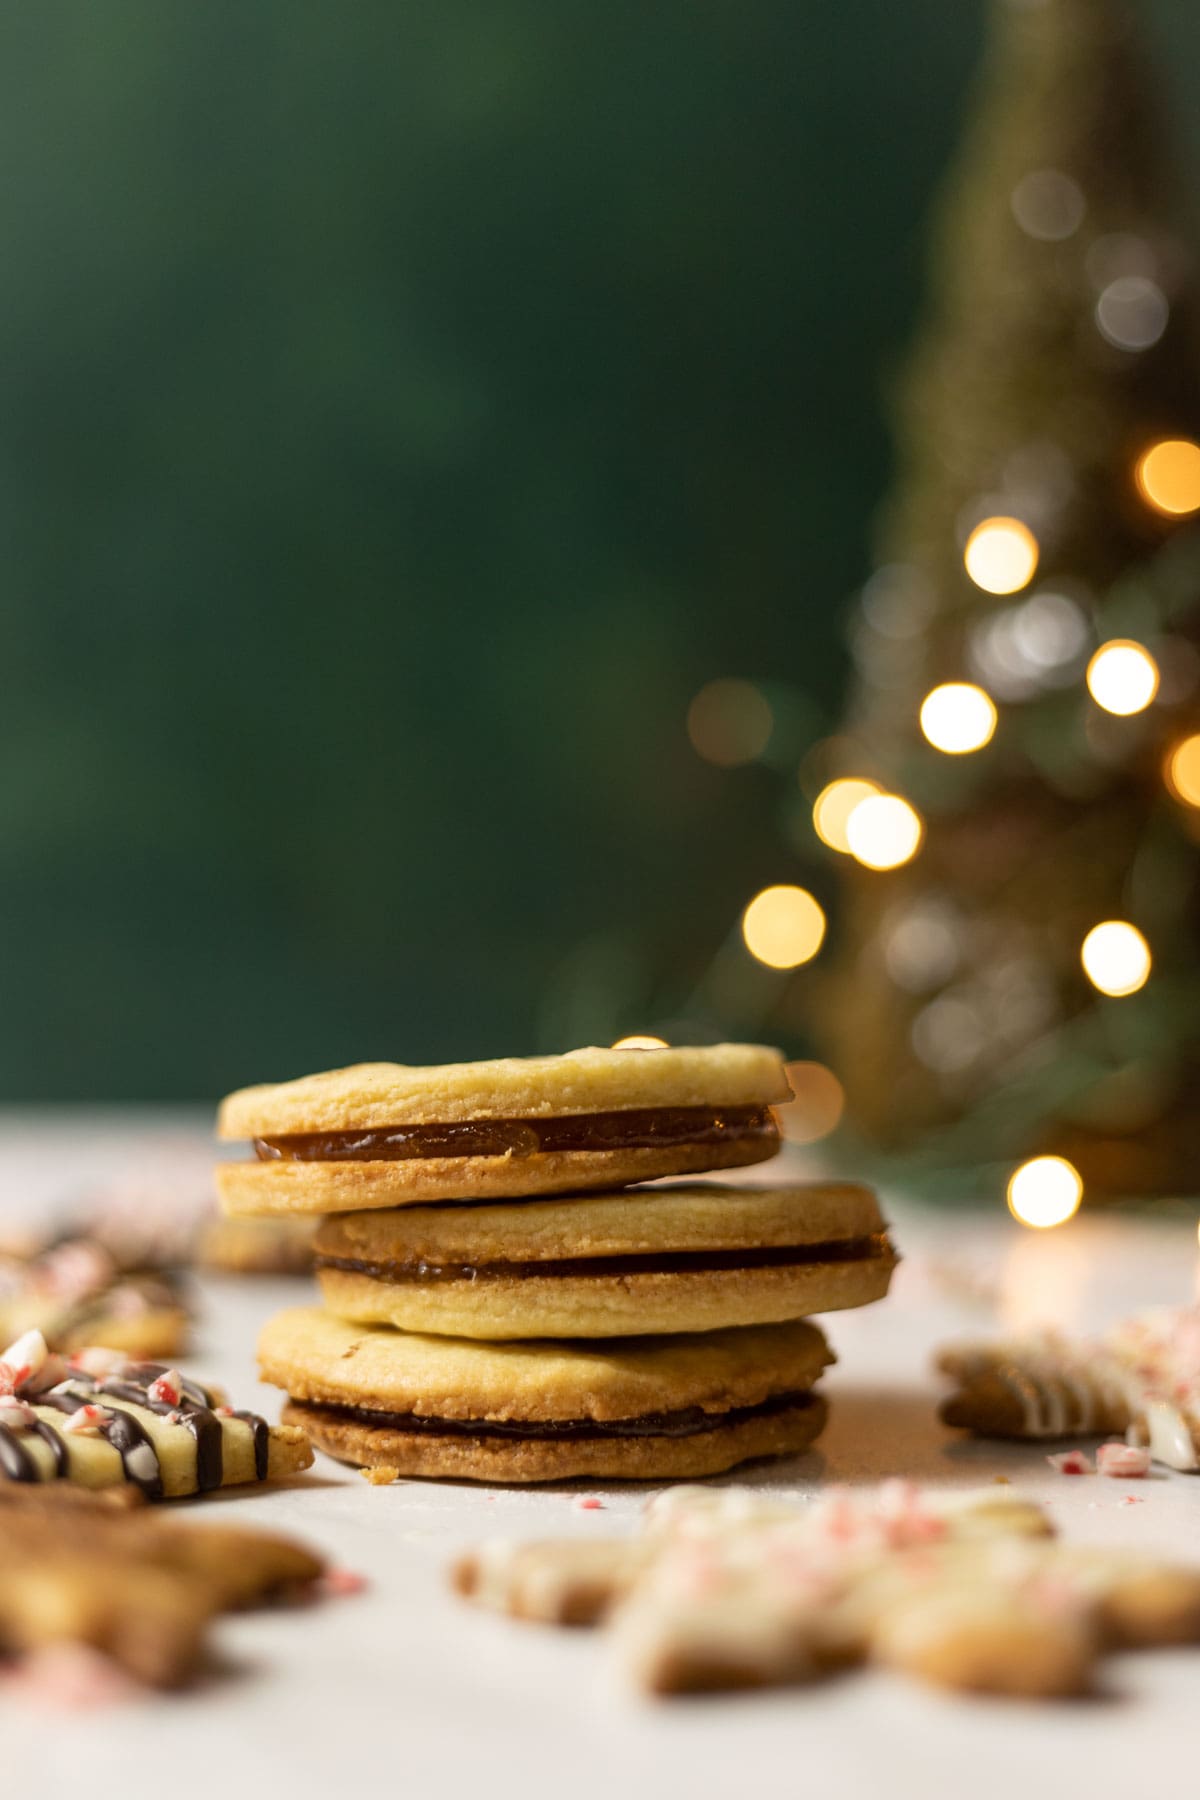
{"x": 318, "y": 1358}
{"x": 374, "y": 1095}
{"x": 637, "y": 1221}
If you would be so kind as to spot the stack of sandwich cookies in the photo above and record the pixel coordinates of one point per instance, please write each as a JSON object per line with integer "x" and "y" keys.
{"x": 514, "y": 1311}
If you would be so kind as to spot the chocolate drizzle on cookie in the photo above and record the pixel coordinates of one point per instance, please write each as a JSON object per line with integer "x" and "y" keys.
{"x": 194, "y": 1411}
{"x": 676, "y": 1262}
{"x": 643, "y": 1129}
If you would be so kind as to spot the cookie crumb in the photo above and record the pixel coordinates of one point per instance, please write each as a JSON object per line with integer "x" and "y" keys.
{"x": 1001, "y": 1481}
{"x": 381, "y": 1476}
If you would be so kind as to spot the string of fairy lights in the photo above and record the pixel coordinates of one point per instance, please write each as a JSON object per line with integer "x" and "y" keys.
{"x": 783, "y": 927}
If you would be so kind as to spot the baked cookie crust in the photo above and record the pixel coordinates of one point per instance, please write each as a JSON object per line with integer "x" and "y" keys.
{"x": 376, "y": 1095}
{"x": 280, "y": 1189}
{"x": 591, "y": 1306}
{"x": 495, "y": 1459}
{"x": 323, "y": 1360}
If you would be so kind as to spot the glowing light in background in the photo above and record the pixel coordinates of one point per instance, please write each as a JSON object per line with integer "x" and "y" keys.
{"x": 1183, "y": 771}
{"x": 1132, "y": 312}
{"x": 637, "y": 1042}
{"x": 883, "y": 832}
{"x": 1048, "y": 205}
{"x": 1168, "y": 476}
{"x": 783, "y": 927}
{"x": 1001, "y": 556}
{"x": 1116, "y": 958}
{"x": 833, "y": 806}
{"x": 817, "y": 1104}
{"x": 1045, "y": 1191}
{"x": 730, "y": 722}
{"x": 1122, "y": 677}
{"x": 958, "y": 717}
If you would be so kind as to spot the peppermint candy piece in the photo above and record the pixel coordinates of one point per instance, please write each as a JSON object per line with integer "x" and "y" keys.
{"x": 1071, "y": 1462}
{"x": 18, "y": 1415}
{"x": 166, "y": 1389}
{"x": 1124, "y": 1461}
{"x": 87, "y": 1420}
{"x": 99, "y": 1362}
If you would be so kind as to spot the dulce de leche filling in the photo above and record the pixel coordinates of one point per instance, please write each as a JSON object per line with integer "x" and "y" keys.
{"x": 687, "y": 1421}
{"x": 653, "y": 1128}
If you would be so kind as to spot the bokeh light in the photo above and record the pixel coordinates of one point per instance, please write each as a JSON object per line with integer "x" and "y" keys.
{"x": 1045, "y": 1191}
{"x": 958, "y": 717}
{"x": 1001, "y": 556}
{"x": 1183, "y": 771}
{"x": 783, "y": 927}
{"x": 833, "y": 806}
{"x": 883, "y": 832}
{"x": 1048, "y": 205}
{"x": 1132, "y": 312}
{"x": 816, "y": 1105}
{"x": 1168, "y": 476}
{"x": 730, "y": 722}
{"x": 639, "y": 1041}
{"x": 1122, "y": 677}
{"x": 1116, "y": 958}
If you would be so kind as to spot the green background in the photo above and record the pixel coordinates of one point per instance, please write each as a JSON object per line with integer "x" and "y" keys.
{"x": 403, "y": 410}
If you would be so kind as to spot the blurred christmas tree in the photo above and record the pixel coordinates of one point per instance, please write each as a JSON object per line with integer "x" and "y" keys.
{"x": 1026, "y": 710}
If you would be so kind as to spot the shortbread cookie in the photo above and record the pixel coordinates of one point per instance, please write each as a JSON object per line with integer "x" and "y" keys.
{"x": 636, "y": 1408}
{"x": 1142, "y": 1378}
{"x": 137, "y": 1589}
{"x": 666, "y": 1259}
{"x": 282, "y": 1246}
{"x": 99, "y": 1419}
{"x": 383, "y": 1134}
{"x": 75, "y": 1292}
{"x": 964, "y": 1591}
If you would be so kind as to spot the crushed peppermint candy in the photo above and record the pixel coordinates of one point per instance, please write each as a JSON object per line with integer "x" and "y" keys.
{"x": 87, "y": 1420}
{"x": 587, "y": 1503}
{"x": 1133, "y": 1500}
{"x": 17, "y": 1414}
{"x": 1070, "y": 1462}
{"x": 340, "y": 1582}
{"x": 166, "y": 1389}
{"x": 99, "y": 1362}
{"x": 1123, "y": 1461}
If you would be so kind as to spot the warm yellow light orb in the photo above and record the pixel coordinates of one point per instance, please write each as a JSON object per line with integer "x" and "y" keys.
{"x": 1001, "y": 556}
{"x": 883, "y": 832}
{"x": 1116, "y": 958}
{"x": 816, "y": 1103}
{"x": 958, "y": 717}
{"x": 1168, "y": 476}
{"x": 1183, "y": 771}
{"x": 1045, "y": 1191}
{"x": 639, "y": 1042}
{"x": 1122, "y": 677}
{"x": 833, "y": 806}
{"x": 783, "y": 927}
{"x": 730, "y": 722}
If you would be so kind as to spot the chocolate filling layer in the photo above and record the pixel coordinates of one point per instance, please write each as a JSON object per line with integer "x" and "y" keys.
{"x": 689, "y": 1421}
{"x": 676, "y": 1262}
{"x": 647, "y": 1130}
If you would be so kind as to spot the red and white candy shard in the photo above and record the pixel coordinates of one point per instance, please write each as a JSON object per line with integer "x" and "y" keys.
{"x": 99, "y": 1362}
{"x": 1125, "y": 1461}
{"x": 1070, "y": 1462}
{"x": 18, "y": 1415}
{"x": 167, "y": 1389}
{"x": 87, "y": 1420}
{"x": 23, "y": 1361}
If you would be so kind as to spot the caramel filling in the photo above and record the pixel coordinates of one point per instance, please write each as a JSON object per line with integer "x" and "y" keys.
{"x": 672, "y": 1262}
{"x": 688, "y": 1421}
{"x": 659, "y": 1127}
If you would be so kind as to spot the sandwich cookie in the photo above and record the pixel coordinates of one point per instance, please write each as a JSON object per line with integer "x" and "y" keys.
{"x": 637, "y": 1408}
{"x": 383, "y": 1134}
{"x": 695, "y": 1257}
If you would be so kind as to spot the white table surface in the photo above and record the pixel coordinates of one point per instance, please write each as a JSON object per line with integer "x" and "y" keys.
{"x": 407, "y": 1691}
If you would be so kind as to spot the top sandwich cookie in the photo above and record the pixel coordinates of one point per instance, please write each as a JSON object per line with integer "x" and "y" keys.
{"x": 384, "y": 1134}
